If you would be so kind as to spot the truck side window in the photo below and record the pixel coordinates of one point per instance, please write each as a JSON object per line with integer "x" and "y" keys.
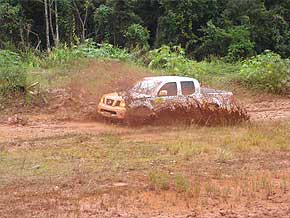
{"x": 171, "y": 89}
{"x": 187, "y": 87}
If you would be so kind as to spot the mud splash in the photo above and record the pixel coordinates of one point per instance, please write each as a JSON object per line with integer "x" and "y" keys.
{"x": 184, "y": 110}
{"x": 194, "y": 112}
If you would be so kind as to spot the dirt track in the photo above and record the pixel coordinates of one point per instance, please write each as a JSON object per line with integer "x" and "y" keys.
{"x": 128, "y": 197}
{"x": 270, "y": 109}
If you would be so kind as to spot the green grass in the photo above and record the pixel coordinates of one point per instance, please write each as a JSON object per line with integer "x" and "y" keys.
{"x": 189, "y": 154}
{"x": 159, "y": 180}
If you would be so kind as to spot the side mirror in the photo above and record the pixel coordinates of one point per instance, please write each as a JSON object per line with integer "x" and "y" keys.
{"x": 163, "y": 93}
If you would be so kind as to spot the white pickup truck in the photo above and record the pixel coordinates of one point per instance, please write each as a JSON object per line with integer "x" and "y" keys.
{"x": 149, "y": 92}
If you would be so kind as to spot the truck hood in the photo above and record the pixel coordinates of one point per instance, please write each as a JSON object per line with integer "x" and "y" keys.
{"x": 113, "y": 96}
{"x": 122, "y": 95}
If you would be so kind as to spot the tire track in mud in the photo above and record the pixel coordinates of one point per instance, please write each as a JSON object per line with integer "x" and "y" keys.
{"x": 269, "y": 110}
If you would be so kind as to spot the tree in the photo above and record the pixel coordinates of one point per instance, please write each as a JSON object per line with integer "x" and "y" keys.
{"x": 236, "y": 28}
{"x": 182, "y": 20}
{"x": 113, "y": 19}
{"x": 47, "y": 26}
{"x": 234, "y": 42}
{"x": 82, "y": 10}
{"x": 268, "y": 22}
{"x": 55, "y": 33}
{"x": 12, "y": 25}
{"x": 149, "y": 12}
{"x": 103, "y": 18}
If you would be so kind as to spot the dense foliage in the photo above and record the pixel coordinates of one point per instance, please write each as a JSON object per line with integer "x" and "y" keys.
{"x": 63, "y": 56}
{"x": 267, "y": 71}
{"x": 197, "y": 38}
{"x": 12, "y": 73}
{"x": 233, "y": 29}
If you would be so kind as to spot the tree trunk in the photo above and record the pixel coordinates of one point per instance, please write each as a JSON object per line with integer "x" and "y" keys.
{"x": 47, "y": 26}
{"x": 23, "y": 44}
{"x": 83, "y": 21}
{"x": 56, "y": 24}
{"x": 50, "y": 3}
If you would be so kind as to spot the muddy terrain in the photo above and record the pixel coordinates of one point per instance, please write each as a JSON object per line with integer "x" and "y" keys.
{"x": 59, "y": 159}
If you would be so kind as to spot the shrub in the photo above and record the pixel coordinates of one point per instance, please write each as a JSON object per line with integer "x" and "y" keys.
{"x": 89, "y": 49}
{"x": 109, "y": 51}
{"x": 12, "y": 74}
{"x": 159, "y": 180}
{"x": 63, "y": 55}
{"x": 9, "y": 58}
{"x": 267, "y": 71}
{"x": 174, "y": 62}
{"x": 12, "y": 79}
{"x": 182, "y": 184}
{"x": 137, "y": 36}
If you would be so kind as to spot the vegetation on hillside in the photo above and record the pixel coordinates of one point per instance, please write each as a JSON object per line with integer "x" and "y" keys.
{"x": 198, "y": 38}
{"x": 267, "y": 71}
{"x": 12, "y": 73}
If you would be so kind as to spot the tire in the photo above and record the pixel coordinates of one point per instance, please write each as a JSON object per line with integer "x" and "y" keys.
{"x": 138, "y": 116}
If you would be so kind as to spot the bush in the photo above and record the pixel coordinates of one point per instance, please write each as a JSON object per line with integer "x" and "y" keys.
{"x": 65, "y": 55}
{"x": 174, "y": 62}
{"x": 233, "y": 43}
{"x": 109, "y": 51}
{"x": 159, "y": 180}
{"x": 137, "y": 37}
{"x": 9, "y": 58}
{"x": 12, "y": 79}
{"x": 267, "y": 71}
{"x": 12, "y": 73}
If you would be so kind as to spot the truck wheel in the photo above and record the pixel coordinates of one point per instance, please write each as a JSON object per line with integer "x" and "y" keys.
{"x": 213, "y": 105}
{"x": 138, "y": 115}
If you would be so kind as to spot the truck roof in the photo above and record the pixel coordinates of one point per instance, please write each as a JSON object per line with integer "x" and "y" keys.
{"x": 169, "y": 78}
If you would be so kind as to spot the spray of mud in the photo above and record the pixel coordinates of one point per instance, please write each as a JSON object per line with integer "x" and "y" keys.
{"x": 185, "y": 110}
{"x": 201, "y": 113}
{"x": 78, "y": 100}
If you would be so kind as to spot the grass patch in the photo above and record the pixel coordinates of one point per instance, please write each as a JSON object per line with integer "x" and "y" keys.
{"x": 159, "y": 180}
{"x": 182, "y": 184}
{"x": 186, "y": 148}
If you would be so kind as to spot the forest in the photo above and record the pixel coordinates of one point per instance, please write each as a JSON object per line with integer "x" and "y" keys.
{"x": 232, "y": 29}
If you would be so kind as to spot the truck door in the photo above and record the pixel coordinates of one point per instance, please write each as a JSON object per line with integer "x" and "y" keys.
{"x": 168, "y": 91}
{"x": 187, "y": 88}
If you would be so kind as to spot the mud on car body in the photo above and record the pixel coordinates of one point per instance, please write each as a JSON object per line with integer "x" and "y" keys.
{"x": 146, "y": 96}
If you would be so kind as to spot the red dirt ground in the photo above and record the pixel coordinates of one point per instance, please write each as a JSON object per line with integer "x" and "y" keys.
{"x": 72, "y": 110}
{"x": 130, "y": 200}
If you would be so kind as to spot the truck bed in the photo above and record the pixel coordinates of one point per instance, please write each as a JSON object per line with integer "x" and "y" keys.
{"x": 208, "y": 91}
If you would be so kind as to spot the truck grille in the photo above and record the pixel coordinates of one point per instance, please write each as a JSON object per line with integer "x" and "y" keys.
{"x": 117, "y": 103}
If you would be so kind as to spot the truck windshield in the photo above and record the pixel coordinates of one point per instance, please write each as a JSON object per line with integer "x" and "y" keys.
{"x": 146, "y": 87}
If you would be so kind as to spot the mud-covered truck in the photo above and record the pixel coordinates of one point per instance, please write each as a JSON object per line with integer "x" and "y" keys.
{"x": 146, "y": 96}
